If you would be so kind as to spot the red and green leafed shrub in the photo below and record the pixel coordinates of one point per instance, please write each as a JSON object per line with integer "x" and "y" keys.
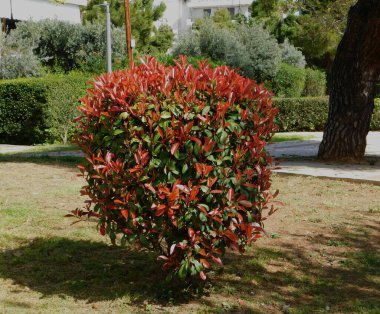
{"x": 176, "y": 160}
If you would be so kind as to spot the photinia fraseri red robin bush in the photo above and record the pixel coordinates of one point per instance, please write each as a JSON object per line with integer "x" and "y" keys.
{"x": 176, "y": 160}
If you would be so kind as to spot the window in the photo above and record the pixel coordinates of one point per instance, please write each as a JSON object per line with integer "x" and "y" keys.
{"x": 206, "y": 12}
{"x": 232, "y": 12}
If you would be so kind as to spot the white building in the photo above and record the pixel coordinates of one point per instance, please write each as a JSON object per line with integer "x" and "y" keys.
{"x": 180, "y": 14}
{"x": 20, "y": 10}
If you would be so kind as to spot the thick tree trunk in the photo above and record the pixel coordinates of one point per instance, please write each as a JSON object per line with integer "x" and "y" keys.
{"x": 354, "y": 75}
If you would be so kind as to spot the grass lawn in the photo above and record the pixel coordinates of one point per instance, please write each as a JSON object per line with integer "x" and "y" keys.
{"x": 322, "y": 255}
{"x": 283, "y": 137}
{"x": 43, "y": 148}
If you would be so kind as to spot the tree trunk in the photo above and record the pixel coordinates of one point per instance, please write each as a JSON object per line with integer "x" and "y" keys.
{"x": 355, "y": 72}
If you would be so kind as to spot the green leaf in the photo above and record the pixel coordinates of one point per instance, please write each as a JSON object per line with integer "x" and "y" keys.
{"x": 143, "y": 240}
{"x": 183, "y": 269}
{"x": 202, "y": 217}
{"x": 124, "y": 115}
{"x": 205, "y": 110}
{"x": 113, "y": 238}
{"x": 196, "y": 149}
{"x": 155, "y": 162}
{"x": 185, "y": 167}
{"x": 166, "y": 115}
{"x": 223, "y": 137}
{"x": 204, "y": 189}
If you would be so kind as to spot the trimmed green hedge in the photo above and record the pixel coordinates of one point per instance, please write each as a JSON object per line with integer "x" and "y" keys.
{"x": 22, "y": 104}
{"x": 310, "y": 114}
{"x": 39, "y": 110}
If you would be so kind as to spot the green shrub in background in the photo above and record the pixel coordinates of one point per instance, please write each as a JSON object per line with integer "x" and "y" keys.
{"x": 315, "y": 83}
{"x": 262, "y": 49}
{"x": 17, "y": 59}
{"x": 248, "y": 47}
{"x": 23, "y": 103}
{"x": 61, "y": 46}
{"x": 39, "y": 110}
{"x": 310, "y": 114}
{"x": 187, "y": 45}
{"x": 289, "y": 81}
{"x": 291, "y": 55}
{"x": 375, "y": 122}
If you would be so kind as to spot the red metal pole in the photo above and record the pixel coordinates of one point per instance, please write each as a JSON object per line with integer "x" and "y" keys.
{"x": 128, "y": 31}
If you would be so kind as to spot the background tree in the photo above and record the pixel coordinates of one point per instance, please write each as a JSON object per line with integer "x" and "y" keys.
{"x": 222, "y": 18}
{"x": 143, "y": 15}
{"x": 320, "y": 27}
{"x": 315, "y": 26}
{"x": 355, "y": 72}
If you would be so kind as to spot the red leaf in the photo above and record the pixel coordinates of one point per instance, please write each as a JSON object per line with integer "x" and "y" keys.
{"x": 160, "y": 210}
{"x": 202, "y": 209}
{"x": 174, "y": 148}
{"x": 194, "y": 193}
{"x": 197, "y": 140}
{"x": 205, "y": 263}
{"x": 230, "y": 235}
{"x": 211, "y": 182}
{"x": 150, "y": 187}
{"x": 202, "y": 275}
{"x": 198, "y": 167}
{"x": 230, "y": 194}
{"x": 216, "y": 192}
{"x": 124, "y": 212}
{"x": 103, "y": 229}
{"x": 246, "y": 203}
{"x": 276, "y": 193}
{"x": 159, "y": 130}
{"x": 216, "y": 260}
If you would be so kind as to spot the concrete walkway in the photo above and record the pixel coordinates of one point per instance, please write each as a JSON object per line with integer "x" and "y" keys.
{"x": 301, "y": 148}
{"x": 309, "y": 148}
{"x": 5, "y": 148}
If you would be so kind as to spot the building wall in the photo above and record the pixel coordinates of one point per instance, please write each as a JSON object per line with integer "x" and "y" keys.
{"x": 176, "y": 15}
{"x": 41, "y": 9}
{"x": 180, "y": 14}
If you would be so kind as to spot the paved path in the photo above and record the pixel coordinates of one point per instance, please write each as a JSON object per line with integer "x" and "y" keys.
{"x": 5, "y": 148}
{"x": 307, "y": 148}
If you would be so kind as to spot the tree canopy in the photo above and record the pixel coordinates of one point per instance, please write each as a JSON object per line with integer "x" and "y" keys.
{"x": 143, "y": 15}
{"x": 315, "y": 26}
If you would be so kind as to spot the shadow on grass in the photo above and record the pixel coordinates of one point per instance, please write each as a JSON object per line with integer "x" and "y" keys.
{"x": 292, "y": 275}
{"x": 90, "y": 271}
{"x": 282, "y": 274}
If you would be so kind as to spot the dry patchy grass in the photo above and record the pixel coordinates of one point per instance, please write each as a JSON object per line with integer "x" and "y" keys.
{"x": 322, "y": 256}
